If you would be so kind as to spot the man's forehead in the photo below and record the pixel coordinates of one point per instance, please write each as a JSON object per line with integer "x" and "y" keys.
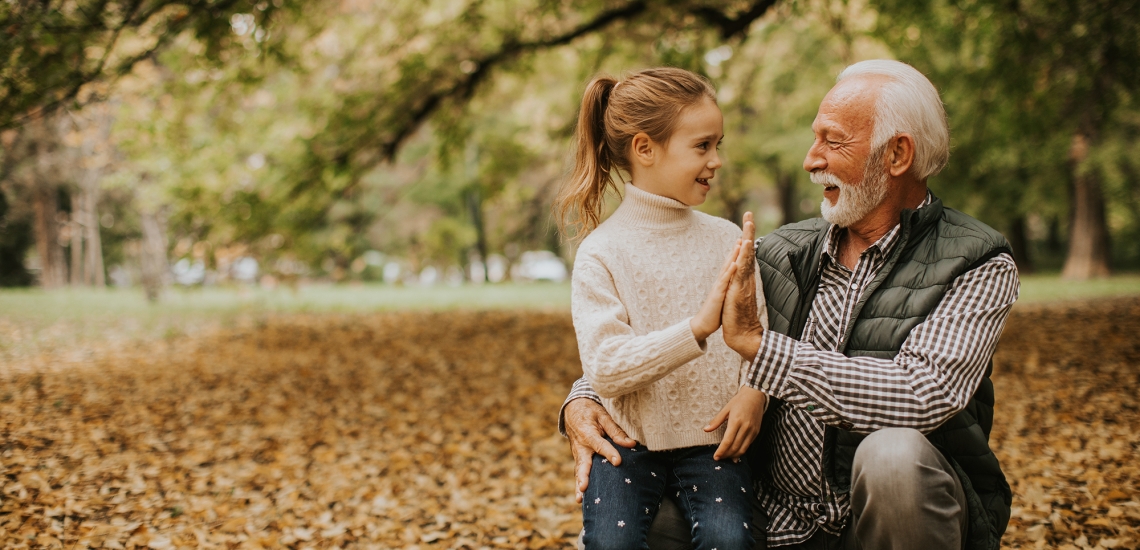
{"x": 850, "y": 104}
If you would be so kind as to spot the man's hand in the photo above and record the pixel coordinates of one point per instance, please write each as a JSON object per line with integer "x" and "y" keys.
{"x": 741, "y": 316}
{"x": 586, "y": 421}
{"x": 744, "y": 412}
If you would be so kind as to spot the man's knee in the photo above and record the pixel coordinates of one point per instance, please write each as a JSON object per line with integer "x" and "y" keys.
{"x": 899, "y": 469}
{"x": 893, "y": 456}
{"x": 904, "y": 493}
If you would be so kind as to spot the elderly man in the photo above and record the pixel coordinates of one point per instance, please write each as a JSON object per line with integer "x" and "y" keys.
{"x": 884, "y": 316}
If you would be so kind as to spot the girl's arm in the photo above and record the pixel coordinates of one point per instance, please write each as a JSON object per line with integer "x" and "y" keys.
{"x": 614, "y": 359}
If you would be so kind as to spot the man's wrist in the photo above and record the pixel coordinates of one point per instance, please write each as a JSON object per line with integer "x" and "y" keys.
{"x": 747, "y": 345}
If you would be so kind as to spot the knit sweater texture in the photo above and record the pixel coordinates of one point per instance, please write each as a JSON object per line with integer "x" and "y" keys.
{"x": 638, "y": 280}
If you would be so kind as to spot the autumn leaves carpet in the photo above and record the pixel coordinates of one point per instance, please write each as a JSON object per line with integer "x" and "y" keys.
{"x": 438, "y": 430}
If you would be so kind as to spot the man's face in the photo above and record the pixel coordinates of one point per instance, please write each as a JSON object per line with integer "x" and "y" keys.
{"x": 853, "y": 177}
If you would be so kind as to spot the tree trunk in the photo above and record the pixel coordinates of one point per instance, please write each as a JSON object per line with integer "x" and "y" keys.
{"x": 731, "y": 196}
{"x": 1053, "y": 236}
{"x": 94, "y": 157}
{"x": 152, "y": 255}
{"x": 1088, "y": 255}
{"x": 1019, "y": 242}
{"x": 786, "y": 195}
{"x": 94, "y": 272}
{"x": 475, "y": 209}
{"x": 75, "y": 227}
{"x": 52, "y": 268}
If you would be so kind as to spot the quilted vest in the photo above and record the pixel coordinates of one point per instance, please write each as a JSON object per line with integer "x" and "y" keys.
{"x": 935, "y": 246}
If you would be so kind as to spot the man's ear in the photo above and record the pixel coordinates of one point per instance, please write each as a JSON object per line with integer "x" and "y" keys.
{"x": 642, "y": 149}
{"x": 900, "y": 152}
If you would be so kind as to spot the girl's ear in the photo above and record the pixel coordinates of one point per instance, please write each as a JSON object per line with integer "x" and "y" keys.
{"x": 642, "y": 149}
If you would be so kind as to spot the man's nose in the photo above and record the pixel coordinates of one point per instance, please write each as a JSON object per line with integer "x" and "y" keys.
{"x": 814, "y": 160}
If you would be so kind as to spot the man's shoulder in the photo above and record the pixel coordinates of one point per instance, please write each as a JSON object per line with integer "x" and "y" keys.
{"x": 793, "y": 235}
{"x": 809, "y": 226}
{"x": 959, "y": 225}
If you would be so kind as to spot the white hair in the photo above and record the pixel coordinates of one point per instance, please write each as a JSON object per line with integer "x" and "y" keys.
{"x": 907, "y": 103}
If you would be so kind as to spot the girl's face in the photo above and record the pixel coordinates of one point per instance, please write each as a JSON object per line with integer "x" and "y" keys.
{"x": 682, "y": 167}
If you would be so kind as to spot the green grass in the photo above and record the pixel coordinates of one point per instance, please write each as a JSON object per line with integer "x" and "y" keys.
{"x": 1037, "y": 289}
{"x": 39, "y": 304}
{"x": 34, "y": 321}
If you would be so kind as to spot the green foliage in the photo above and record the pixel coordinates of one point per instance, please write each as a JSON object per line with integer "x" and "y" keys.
{"x": 438, "y": 132}
{"x": 53, "y": 49}
{"x": 1020, "y": 80}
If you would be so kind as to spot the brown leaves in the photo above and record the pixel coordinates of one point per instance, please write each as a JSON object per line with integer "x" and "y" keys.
{"x": 1067, "y": 428}
{"x": 438, "y": 430}
{"x": 388, "y": 431}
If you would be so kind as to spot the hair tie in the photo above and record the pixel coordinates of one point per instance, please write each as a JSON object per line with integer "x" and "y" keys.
{"x": 612, "y": 90}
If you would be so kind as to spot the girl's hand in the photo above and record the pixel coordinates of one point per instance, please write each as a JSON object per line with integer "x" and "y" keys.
{"x": 744, "y": 412}
{"x": 707, "y": 320}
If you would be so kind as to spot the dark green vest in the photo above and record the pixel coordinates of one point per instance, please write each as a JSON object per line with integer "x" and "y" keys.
{"x": 935, "y": 246}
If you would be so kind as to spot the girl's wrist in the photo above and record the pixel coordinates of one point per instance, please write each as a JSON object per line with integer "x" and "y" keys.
{"x": 698, "y": 333}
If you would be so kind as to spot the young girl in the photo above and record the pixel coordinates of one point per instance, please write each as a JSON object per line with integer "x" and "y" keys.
{"x": 647, "y": 334}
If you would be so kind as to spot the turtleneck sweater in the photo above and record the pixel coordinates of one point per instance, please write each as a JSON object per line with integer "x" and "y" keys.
{"x": 638, "y": 279}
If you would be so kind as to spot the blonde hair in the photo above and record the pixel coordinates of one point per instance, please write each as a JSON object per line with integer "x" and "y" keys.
{"x": 648, "y": 101}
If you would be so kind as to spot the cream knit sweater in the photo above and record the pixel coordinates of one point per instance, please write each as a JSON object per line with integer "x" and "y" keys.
{"x": 638, "y": 280}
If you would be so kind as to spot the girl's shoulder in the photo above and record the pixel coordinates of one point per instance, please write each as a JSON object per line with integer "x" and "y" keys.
{"x": 718, "y": 225}
{"x": 601, "y": 242}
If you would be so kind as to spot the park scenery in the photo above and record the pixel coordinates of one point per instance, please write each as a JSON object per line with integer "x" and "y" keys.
{"x": 284, "y": 274}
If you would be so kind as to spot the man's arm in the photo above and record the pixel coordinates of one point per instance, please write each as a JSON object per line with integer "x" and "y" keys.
{"x": 933, "y": 376}
{"x": 585, "y": 422}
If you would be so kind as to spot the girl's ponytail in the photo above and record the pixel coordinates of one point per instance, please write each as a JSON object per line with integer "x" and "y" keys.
{"x": 583, "y": 196}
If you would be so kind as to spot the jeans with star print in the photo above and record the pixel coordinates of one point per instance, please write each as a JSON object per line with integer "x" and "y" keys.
{"x": 621, "y": 501}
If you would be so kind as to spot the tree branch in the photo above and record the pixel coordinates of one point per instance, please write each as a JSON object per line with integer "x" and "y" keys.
{"x": 465, "y": 87}
{"x": 731, "y": 27}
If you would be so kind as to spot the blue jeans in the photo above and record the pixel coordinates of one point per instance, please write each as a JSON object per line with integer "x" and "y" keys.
{"x": 714, "y": 496}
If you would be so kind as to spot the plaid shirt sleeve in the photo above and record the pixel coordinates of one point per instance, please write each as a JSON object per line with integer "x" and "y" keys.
{"x": 933, "y": 376}
{"x": 581, "y": 388}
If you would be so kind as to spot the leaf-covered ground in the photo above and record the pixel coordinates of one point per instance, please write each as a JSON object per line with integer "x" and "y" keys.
{"x": 438, "y": 430}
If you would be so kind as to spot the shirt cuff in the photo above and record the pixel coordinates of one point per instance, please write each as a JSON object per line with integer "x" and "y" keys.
{"x": 773, "y": 364}
{"x": 581, "y": 389}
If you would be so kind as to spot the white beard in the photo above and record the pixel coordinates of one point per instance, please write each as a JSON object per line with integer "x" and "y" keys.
{"x": 855, "y": 201}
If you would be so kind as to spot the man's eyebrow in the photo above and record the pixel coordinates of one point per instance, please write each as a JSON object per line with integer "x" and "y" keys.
{"x": 829, "y": 128}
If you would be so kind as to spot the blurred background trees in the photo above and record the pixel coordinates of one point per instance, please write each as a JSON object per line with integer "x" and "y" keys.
{"x": 205, "y": 141}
